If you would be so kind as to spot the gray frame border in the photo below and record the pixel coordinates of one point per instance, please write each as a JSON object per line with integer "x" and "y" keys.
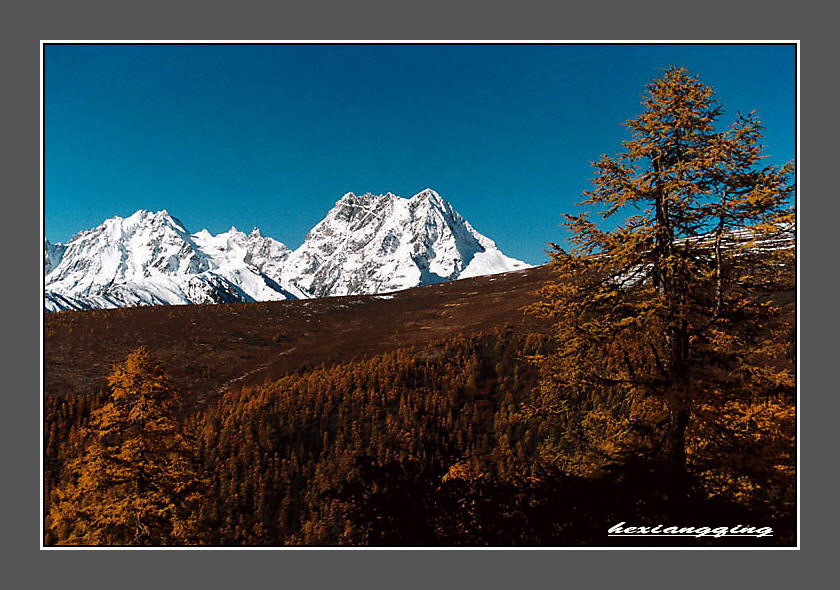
{"x": 383, "y": 21}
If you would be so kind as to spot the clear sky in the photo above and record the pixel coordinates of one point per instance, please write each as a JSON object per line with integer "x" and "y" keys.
{"x": 272, "y": 135}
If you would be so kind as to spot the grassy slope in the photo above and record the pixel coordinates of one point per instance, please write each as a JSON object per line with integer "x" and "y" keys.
{"x": 209, "y": 348}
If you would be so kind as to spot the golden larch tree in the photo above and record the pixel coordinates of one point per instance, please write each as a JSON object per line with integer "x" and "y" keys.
{"x": 136, "y": 481}
{"x": 678, "y": 300}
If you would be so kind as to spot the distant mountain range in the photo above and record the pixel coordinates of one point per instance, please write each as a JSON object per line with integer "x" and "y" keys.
{"x": 366, "y": 244}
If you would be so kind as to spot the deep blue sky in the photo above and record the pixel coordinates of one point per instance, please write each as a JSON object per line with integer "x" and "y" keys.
{"x": 272, "y": 136}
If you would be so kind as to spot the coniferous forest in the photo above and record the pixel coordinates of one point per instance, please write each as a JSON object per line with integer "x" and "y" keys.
{"x": 645, "y": 375}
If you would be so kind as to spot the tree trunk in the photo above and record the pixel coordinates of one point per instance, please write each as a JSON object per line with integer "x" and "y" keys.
{"x": 678, "y": 399}
{"x": 673, "y": 452}
{"x": 718, "y": 270}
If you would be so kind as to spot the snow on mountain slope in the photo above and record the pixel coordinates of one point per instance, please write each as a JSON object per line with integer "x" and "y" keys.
{"x": 366, "y": 244}
{"x": 150, "y": 259}
{"x": 234, "y": 248}
{"x": 52, "y": 255}
{"x": 379, "y": 243}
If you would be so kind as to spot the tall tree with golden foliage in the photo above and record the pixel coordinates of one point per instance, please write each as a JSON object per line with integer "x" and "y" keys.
{"x": 677, "y": 303}
{"x": 136, "y": 482}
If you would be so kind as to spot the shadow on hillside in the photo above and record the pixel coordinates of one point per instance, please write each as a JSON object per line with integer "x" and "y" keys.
{"x": 401, "y": 504}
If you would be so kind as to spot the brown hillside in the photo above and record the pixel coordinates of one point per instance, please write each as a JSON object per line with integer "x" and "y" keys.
{"x": 209, "y": 348}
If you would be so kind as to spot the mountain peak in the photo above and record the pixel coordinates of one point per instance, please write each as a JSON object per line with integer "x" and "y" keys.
{"x": 367, "y": 196}
{"x": 427, "y": 193}
{"x": 150, "y": 259}
{"x": 145, "y": 213}
{"x": 365, "y": 245}
{"x": 380, "y": 243}
{"x": 431, "y": 199}
{"x": 144, "y": 217}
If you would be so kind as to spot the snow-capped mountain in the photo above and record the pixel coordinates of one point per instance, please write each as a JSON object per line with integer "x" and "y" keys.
{"x": 366, "y": 244}
{"x": 150, "y": 259}
{"x": 379, "y": 243}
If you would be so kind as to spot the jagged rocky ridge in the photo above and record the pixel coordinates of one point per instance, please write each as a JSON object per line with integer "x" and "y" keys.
{"x": 366, "y": 244}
